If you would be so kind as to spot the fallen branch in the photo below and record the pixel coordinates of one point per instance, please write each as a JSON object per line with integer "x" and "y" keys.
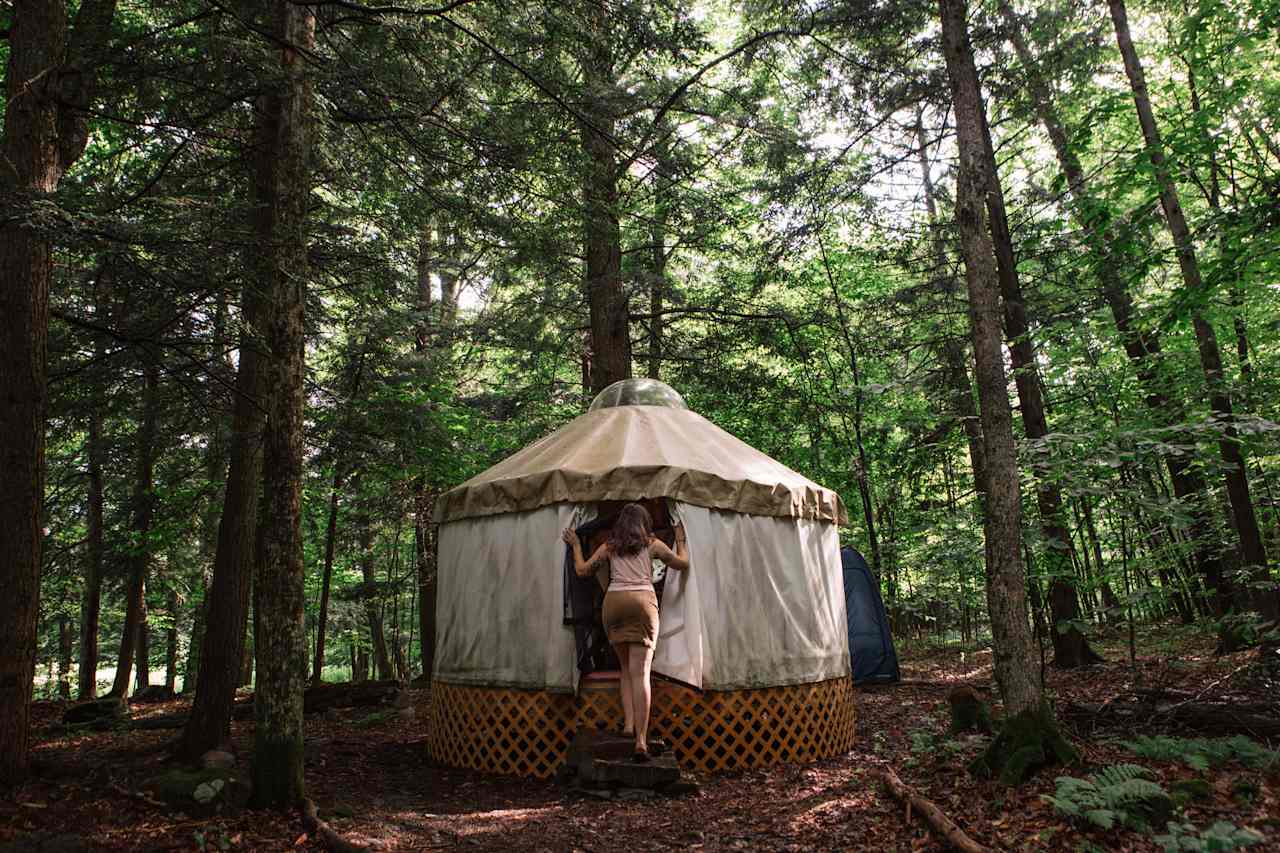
{"x": 137, "y": 795}
{"x": 1197, "y": 716}
{"x": 332, "y": 840}
{"x": 934, "y": 816}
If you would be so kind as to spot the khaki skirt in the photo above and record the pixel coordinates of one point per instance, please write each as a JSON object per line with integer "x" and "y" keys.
{"x": 631, "y": 616}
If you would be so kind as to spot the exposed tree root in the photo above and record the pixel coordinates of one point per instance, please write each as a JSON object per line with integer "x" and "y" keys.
{"x": 934, "y": 816}
{"x": 1026, "y": 742}
{"x": 332, "y": 840}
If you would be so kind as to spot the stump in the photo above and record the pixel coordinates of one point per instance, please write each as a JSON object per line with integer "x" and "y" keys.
{"x": 1027, "y": 741}
{"x": 968, "y": 711}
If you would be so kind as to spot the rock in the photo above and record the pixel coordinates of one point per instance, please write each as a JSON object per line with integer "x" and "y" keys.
{"x": 217, "y": 759}
{"x": 98, "y": 713}
{"x": 201, "y": 793}
{"x": 152, "y": 693}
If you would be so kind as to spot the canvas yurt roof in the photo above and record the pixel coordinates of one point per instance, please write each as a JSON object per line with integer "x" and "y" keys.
{"x": 639, "y": 440}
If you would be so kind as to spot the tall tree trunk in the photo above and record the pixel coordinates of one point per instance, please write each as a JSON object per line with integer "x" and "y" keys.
{"x": 610, "y": 331}
{"x": 373, "y": 615}
{"x": 951, "y": 348}
{"x": 91, "y": 601}
{"x": 1006, "y": 580}
{"x": 1142, "y": 348}
{"x": 658, "y": 282}
{"x": 283, "y": 190}
{"x": 142, "y": 670}
{"x": 66, "y": 639}
{"x": 862, "y": 474}
{"x": 424, "y": 541}
{"x": 227, "y": 603}
{"x": 140, "y": 552}
{"x": 1252, "y": 552}
{"x": 330, "y": 540}
{"x": 49, "y": 80}
{"x": 216, "y": 472}
{"x": 1070, "y": 647}
{"x": 171, "y": 642}
{"x": 331, "y": 533}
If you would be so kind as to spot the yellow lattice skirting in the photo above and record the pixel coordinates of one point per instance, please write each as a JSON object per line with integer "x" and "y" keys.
{"x": 527, "y": 732}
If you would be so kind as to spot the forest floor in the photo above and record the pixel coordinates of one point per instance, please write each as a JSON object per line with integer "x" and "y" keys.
{"x": 375, "y": 785}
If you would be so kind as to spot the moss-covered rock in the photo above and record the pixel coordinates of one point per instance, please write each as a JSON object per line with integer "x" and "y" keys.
{"x": 209, "y": 791}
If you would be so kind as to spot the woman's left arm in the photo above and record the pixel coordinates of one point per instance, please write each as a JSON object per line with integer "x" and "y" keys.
{"x": 678, "y": 560}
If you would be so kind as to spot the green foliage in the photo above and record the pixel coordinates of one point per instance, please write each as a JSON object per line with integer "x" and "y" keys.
{"x": 1203, "y": 753}
{"x": 1118, "y": 794}
{"x": 1221, "y": 836}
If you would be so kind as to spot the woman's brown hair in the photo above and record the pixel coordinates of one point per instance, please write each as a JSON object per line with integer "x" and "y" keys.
{"x": 631, "y": 532}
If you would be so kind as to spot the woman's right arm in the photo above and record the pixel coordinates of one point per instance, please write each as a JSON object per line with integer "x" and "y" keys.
{"x": 583, "y": 568}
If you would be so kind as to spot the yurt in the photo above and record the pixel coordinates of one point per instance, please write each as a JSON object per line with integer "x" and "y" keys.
{"x": 752, "y": 662}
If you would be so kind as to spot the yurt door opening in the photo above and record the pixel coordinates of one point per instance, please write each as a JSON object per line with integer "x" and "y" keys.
{"x": 595, "y": 659}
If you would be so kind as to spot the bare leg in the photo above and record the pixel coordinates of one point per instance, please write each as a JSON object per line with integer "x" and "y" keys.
{"x": 641, "y": 663}
{"x": 624, "y": 686}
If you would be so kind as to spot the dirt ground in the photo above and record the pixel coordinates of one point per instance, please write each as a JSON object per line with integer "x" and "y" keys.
{"x": 376, "y": 786}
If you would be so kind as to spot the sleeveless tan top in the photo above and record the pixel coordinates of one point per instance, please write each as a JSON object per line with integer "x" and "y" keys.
{"x": 632, "y": 573}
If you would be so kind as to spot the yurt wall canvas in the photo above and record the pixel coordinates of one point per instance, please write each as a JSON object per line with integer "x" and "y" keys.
{"x": 767, "y": 597}
{"x": 761, "y": 605}
{"x": 499, "y": 596}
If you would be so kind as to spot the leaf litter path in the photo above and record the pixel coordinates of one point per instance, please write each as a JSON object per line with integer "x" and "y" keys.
{"x": 375, "y": 785}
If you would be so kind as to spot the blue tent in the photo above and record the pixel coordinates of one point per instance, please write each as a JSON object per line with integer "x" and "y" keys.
{"x": 870, "y": 644}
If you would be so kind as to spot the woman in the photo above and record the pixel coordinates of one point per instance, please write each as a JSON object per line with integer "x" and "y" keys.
{"x": 631, "y": 606}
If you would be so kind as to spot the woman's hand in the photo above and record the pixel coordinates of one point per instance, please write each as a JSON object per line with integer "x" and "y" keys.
{"x": 570, "y": 536}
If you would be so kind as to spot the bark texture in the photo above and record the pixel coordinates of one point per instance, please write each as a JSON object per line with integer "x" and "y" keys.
{"x": 1070, "y": 647}
{"x": 282, "y": 189}
{"x": 610, "y": 348}
{"x": 44, "y": 133}
{"x": 1014, "y": 651}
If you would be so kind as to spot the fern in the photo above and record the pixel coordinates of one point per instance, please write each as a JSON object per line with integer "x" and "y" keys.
{"x": 1203, "y": 753}
{"x": 1221, "y": 836}
{"x": 1124, "y": 794}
